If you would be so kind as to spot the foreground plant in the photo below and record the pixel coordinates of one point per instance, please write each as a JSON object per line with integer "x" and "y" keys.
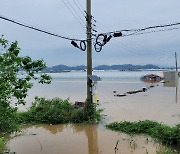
{"x": 166, "y": 150}
{"x": 165, "y": 134}
{"x": 2, "y": 144}
{"x": 55, "y": 111}
{"x": 15, "y": 75}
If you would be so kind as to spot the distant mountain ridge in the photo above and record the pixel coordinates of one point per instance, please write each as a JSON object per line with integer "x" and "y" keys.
{"x": 64, "y": 68}
{"x": 126, "y": 67}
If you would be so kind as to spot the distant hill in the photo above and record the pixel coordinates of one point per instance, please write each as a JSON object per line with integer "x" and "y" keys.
{"x": 126, "y": 67}
{"x": 65, "y": 68}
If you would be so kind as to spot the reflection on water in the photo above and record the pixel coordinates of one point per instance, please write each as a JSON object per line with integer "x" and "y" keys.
{"x": 157, "y": 103}
{"x": 85, "y": 139}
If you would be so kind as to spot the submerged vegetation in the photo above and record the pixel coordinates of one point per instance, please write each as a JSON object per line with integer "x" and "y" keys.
{"x": 166, "y": 150}
{"x": 163, "y": 133}
{"x": 2, "y": 144}
{"x": 55, "y": 111}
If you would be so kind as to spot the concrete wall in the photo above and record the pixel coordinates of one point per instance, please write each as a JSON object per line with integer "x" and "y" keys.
{"x": 171, "y": 79}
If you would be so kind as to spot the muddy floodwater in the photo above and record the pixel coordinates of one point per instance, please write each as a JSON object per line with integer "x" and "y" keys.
{"x": 160, "y": 103}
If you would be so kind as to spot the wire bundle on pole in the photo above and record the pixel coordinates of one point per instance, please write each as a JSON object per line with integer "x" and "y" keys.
{"x": 81, "y": 46}
{"x": 104, "y": 38}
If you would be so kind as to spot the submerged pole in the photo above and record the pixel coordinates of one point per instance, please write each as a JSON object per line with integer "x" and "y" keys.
{"x": 89, "y": 54}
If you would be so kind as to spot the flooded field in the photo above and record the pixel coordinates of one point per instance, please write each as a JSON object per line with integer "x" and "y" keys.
{"x": 160, "y": 103}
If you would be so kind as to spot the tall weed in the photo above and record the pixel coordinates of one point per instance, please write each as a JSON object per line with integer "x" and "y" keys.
{"x": 55, "y": 111}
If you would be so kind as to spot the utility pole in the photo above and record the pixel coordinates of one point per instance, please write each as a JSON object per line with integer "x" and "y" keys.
{"x": 89, "y": 54}
{"x": 176, "y": 60}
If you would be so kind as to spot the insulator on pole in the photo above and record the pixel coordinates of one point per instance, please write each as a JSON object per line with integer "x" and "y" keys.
{"x": 100, "y": 39}
{"x": 98, "y": 47}
{"x": 108, "y": 39}
{"x": 83, "y": 45}
{"x": 117, "y": 34}
{"x": 105, "y": 39}
{"x": 74, "y": 44}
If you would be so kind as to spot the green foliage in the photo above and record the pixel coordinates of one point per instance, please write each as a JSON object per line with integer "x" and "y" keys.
{"x": 14, "y": 85}
{"x": 78, "y": 116}
{"x": 8, "y": 119}
{"x": 54, "y": 111}
{"x": 165, "y": 134}
{"x": 166, "y": 150}
{"x": 11, "y": 83}
{"x": 48, "y": 111}
{"x": 93, "y": 113}
{"x": 2, "y": 144}
{"x": 90, "y": 111}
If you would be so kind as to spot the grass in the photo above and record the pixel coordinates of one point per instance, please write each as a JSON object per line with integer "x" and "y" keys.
{"x": 2, "y": 144}
{"x": 166, "y": 150}
{"x": 163, "y": 133}
{"x": 55, "y": 111}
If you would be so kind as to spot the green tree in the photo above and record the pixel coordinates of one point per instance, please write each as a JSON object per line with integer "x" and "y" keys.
{"x": 16, "y": 73}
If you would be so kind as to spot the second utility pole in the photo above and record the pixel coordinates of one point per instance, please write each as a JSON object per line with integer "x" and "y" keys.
{"x": 176, "y": 61}
{"x": 89, "y": 54}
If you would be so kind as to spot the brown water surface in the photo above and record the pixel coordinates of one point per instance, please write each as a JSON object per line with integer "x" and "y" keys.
{"x": 85, "y": 139}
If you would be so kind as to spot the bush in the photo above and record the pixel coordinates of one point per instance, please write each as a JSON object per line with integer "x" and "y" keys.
{"x": 78, "y": 116}
{"x": 165, "y": 134}
{"x": 2, "y": 144}
{"x": 8, "y": 119}
{"x": 55, "y": 111}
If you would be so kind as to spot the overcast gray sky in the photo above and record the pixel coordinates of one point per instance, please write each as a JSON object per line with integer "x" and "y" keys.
{"x": 111, "y": 15}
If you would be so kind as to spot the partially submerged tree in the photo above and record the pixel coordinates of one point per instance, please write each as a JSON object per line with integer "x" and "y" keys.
{"x": 16, "y": 73}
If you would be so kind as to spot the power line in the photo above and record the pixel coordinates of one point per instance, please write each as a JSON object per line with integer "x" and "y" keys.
{"x": 154, "y": 31}
{"x": 146, "y": 28}
{"x": 80, "y": 5}
{"x": 38, "y": 29}
{"x": 80, "y": 9}
{"x": 119, "y": 43}
{"x": 104, "y": 38}
{"x": 131, "y": 46}
{"x": 78, "y": 18}
{"x": 76, "y": 12}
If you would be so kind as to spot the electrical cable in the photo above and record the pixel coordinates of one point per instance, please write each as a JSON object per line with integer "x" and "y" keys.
{"x": 154, "y": 31}
{"x": 160, "y": 57}
{"x": 82, "y": 12}
{"x": 132, "y": 45}
{"x": 76, "y": 12}
{"x": 77, "y": 1}
{"x": 74, "y": 15}
{"x": 146, "y": 28}
{"x": 117, "y": 42}
{"x": 38, "y": 29}
{"x": 103, "y": 36}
